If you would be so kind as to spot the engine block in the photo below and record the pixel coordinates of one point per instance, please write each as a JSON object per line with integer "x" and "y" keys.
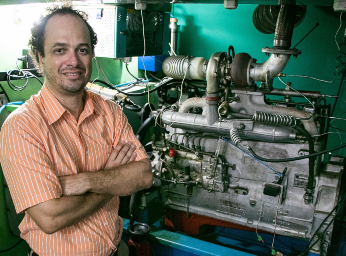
{"x": 210, "y": 174}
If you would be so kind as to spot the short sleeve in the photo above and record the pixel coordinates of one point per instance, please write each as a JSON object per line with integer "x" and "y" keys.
{"x": 123, "y": 131}
{"x": 27, "y": 168}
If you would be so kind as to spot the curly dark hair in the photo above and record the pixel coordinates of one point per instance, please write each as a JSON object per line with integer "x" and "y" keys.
{"x": 36, "y": 42}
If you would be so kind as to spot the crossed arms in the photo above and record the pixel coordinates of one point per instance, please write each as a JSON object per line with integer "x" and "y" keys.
{"x": 85, "y": 193}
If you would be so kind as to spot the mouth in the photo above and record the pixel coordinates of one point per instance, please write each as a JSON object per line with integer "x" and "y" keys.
{"x": 73, "y": 75}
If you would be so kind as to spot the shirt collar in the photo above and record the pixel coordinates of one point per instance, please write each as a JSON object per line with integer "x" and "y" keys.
{"x": 55, "y": 110}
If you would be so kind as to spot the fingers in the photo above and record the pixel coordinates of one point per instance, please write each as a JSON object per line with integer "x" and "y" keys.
{"x": 129, "y": 155}
{"x": 123, "y": 153}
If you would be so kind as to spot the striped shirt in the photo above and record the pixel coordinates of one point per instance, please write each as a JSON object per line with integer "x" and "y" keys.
{"x": 41, "y": 141}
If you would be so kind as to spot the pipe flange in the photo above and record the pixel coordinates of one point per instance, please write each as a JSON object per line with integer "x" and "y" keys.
{"x": 294, "y": 52}
{"x": 248, "y": 77}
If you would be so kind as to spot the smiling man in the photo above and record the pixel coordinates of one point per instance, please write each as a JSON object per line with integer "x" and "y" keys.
{"x": 67, "y": 154}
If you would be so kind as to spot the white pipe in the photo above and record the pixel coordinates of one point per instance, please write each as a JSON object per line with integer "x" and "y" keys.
{"x": 194, "y": 102}
{"x": 212, "y": 88}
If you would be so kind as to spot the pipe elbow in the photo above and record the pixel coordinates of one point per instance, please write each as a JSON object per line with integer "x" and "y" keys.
{"x": 194, "y": 102}
{"x": 269, "y": 69}
{"x": 212, "y": 85}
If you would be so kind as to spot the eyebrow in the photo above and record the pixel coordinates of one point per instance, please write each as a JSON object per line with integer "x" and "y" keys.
{"x": 64, "y": 44}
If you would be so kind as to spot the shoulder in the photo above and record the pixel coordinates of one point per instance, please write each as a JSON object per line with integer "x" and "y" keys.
{"x": 28, "y": 115}
{"x": 108, "y": 106}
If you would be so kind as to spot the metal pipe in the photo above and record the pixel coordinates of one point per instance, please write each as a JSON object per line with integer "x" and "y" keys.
{"x": 308, "y": 94}
{"x": 194, "y": 102}
{"x": 269, "y": 69}
{"x": 212, "y": 93}
{"x": 284, "y": 26}
{"x": 256, "y": 103}
{"x": 174, "y": 29}
{"x": 195, "y": 122}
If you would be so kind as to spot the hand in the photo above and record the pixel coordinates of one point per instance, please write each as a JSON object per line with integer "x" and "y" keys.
{"x": 123, "y": 153}
{"x": 73, "y": 185}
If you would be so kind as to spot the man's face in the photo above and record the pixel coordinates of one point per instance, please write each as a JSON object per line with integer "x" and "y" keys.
{"x": 68, "y": 54}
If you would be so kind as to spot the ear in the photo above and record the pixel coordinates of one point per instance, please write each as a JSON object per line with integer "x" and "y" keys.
{"x": 40, "y": 59}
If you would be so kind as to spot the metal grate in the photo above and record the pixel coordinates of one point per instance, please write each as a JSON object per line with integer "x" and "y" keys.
{"x": 104, "y": 28}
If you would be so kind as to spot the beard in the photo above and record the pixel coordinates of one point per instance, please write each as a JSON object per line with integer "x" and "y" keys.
{"x": 65, "y": 86}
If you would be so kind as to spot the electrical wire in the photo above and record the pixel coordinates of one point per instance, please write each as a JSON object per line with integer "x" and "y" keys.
{"x": 259, "y": 238}
{"x": 128, "y": 71}
{"x": 11, "y": 104}
{"x": 172, "y": 49}
{"x": 166, "y": 81}
{"x": 255, "y": 158}
{"x": 156, "y": 78}
{"x": 325, "y": 81}
{"x": 336, "y": 42}
{"x": 22, "y": 74}
{"x": 145, "y": 70}
{"x": 319, "y": 135}
{"x": 98, "y": 69}
{"x": 296, "y": 158}
{"x": 331, "y": 126}
{"x": 335, "y": 118}
{"x": 339, "y": 89}
{"x": 304, "y": 97}
{"x": 341, "y": 54}
{"x": 12, "y": 247}
{"x": 309, "y": 246}
{"x": 333, "y": 96}
{"x": 276, "y": 218}
{"x": 182, "y": 82}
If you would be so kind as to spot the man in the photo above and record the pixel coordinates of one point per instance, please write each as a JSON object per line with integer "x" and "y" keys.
{"x": 67, "y": 154}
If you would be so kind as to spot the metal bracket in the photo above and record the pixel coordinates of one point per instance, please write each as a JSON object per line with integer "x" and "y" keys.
{"x": 230, "y": 4}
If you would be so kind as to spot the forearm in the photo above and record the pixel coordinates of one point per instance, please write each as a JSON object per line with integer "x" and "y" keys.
{"x": 123, "y": 180}
{"x": 56, "y": 214}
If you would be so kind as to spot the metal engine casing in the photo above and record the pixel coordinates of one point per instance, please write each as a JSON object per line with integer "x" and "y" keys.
{"x": 226, "y": 183}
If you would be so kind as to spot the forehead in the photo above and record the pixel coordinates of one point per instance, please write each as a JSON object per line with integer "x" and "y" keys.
{"x": 66, "y": 28}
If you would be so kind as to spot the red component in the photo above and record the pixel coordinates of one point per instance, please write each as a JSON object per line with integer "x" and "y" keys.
{"x": 177, "y": 221}
{"x": 139, "y": 248}
{"x": 216, "y": 98}
{"x": 172, "y": 152}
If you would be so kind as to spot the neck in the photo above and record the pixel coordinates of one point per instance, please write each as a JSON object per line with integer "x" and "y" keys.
{"x": 74, "y": 103}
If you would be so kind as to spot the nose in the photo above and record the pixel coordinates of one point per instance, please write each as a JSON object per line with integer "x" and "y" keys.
{"x": 72, "y": 59}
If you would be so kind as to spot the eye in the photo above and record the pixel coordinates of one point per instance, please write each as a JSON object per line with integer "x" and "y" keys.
{"x": 58, "y": 50}
{"x": 84, "y": 50}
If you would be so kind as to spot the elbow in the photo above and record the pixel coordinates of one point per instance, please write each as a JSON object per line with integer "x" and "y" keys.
{"x": 47, "y": 222}
{"x": 48, "y": 225}
{"x": 147, "y": 180}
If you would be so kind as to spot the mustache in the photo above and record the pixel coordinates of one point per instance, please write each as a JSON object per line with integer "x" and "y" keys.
{"x": 72, "y": 70}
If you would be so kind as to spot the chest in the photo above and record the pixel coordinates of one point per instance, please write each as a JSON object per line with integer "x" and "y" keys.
{"x": 76, "y": 148}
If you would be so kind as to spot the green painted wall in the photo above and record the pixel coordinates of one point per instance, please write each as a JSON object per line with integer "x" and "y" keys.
{"x": 208, "y": 28}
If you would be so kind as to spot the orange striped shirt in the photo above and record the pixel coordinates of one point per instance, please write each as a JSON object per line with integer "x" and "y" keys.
{"x": 41, "y": 141}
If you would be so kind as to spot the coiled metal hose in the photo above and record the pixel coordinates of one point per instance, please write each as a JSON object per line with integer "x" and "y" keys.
{"x": 274, "y": 119}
